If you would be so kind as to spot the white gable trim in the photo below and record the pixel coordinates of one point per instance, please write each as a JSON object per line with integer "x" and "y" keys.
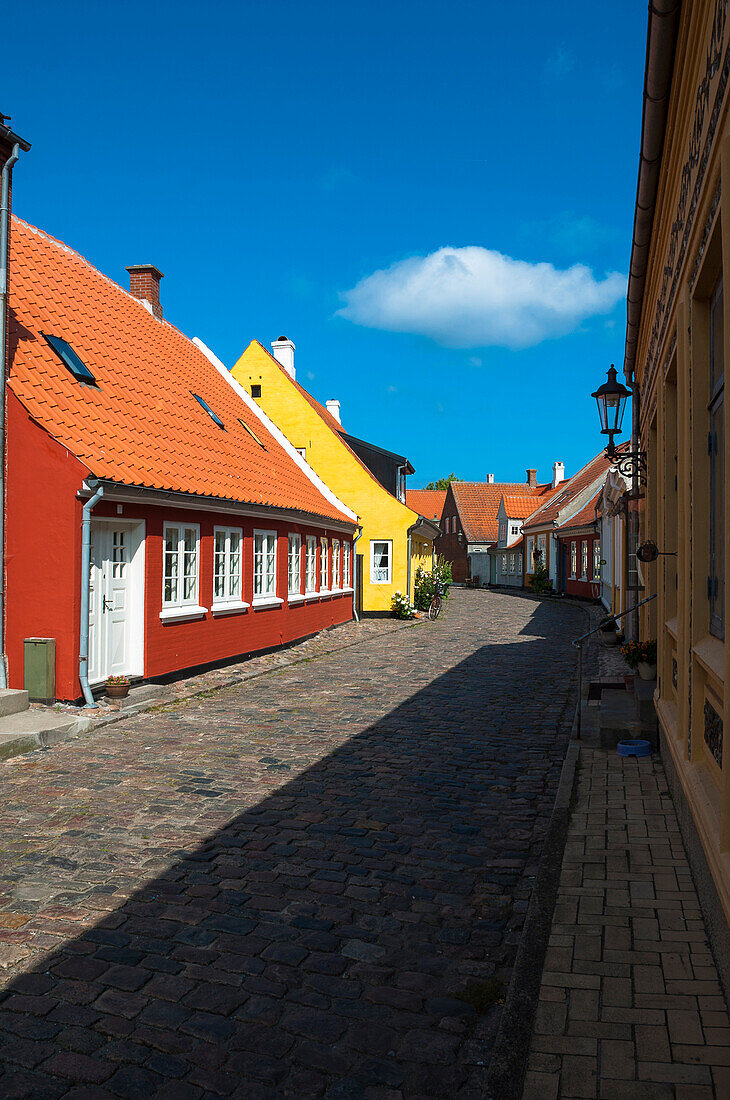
{"x": 274, "y": 431}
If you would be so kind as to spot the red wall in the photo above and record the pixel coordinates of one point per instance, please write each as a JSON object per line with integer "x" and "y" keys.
{"x": 44, "y": 562}
{"x": 589, "y": 589}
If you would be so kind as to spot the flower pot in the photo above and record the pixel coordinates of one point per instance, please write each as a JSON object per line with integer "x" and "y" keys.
{"x": 117, "y": 691}
{"x": 646, "y": 672}
{"x": 609, "y": 637}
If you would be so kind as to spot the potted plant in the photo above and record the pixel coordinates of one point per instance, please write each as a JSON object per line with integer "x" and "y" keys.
{"x": 642, "y": 657}
{"x": 117, "y": 687}
{"x": 609, "y": 631}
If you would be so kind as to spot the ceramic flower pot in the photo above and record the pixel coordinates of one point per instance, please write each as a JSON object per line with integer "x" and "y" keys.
{"x": 117, "y": 691}
{"x": 646, "y": 672}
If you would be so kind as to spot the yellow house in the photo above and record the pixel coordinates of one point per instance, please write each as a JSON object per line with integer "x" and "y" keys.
{"x": 395, "y": 540}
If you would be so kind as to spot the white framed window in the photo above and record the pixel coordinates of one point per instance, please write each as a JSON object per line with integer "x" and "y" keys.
{"x": 264, "y": 566}
{"x": 180, "y": 565}
{"x": 512, "y": 563}
{"x": 596, "y": 559}
{"x": 227, "y": 565}
{"x": 310, "y": 580}
{"x": 295, "y": 564}
{"x": 381, "y": 561}
{"x": 584, "y": 559}
{"x": 519, "y": 563}
{"x": 515, "y": 529}
{"x": 323, "y": 566}
{"x": 573, "y": 559}
{"x": 504, "y": 563}
{"x": 346, "y": 565}
{"x": 336, "y": 563}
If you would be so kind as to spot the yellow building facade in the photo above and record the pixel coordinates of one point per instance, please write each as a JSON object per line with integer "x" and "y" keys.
{"x": 677, "y": 347}
{"x": 395, "y": 540}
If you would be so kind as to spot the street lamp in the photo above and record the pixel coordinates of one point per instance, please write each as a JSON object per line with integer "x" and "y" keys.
{"x": 611, "y": 401}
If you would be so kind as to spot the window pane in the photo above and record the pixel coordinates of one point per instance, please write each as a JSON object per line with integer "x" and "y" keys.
{"x": 172, "y": 537}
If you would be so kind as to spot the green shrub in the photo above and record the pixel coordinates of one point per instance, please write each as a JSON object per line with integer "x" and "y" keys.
{"x": 402, "y": 607}
{"x": 539, "y": 581}
{"x": 425, "y": 583}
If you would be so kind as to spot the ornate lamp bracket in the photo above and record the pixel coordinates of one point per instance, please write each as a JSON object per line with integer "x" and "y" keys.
{"x": 630, "y": 464}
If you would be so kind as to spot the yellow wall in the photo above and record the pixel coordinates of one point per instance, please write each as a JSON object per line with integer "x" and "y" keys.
{"x": 382, "y": 516}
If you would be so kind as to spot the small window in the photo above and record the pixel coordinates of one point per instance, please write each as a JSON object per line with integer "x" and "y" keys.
{"x": 204, "y": 405}
{"x": 310, "y": 580}
{"x": 70, "y": 359}
{"x": 295, "y": 564}
{"x": 180, "y": 566}
{"x": 323, "y": 565}
{"x": 264, "y": 564}
{"x": 227, "y": 565}
{"x": 256, "y": 390}
{"x": 381, "y": 562}
{"x": 584, "y": 560}
{"x": 346, "y": 576}
{"x": 596, "y": 559}
{"x": 335, "y": 563}
{"x": 251, "y": 432}
{"x": 573, "y": 559}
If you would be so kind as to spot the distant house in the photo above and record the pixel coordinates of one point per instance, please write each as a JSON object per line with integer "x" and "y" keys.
{"x": 394, "y": 540}
{"x": 209, "y": 536}
{"x": 579, "y": 552}
{"x": 505, "y": 555}
{"x": 470, "y": 522}
{"x": 427, "y": 502}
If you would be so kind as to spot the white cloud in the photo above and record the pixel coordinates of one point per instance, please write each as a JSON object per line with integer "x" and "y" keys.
{"x": 474, "y": 297}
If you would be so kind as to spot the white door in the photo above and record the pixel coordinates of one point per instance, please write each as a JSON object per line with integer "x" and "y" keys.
{"x": 114, "y": 635}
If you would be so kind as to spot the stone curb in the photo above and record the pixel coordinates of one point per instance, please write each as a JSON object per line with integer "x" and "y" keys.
{"x": 508, "y": 1062}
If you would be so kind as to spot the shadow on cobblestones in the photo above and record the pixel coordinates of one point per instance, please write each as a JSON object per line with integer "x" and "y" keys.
{"x": 346, "y": 936}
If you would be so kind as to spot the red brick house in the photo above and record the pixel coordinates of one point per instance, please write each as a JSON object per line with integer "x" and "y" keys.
{"x": 209, "y": 537}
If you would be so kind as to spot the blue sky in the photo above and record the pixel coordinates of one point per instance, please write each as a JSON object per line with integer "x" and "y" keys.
{"x": 271, "y": 158}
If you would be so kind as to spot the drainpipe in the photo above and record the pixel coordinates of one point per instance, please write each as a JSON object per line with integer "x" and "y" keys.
{"x": 85, "y": 570}
{"x": 4, "y": 229}
{"x": 408, "y": 577}
{"x": 354, "y": 575}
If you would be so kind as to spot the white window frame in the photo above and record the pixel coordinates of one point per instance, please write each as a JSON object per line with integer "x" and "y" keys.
{"x": 269, "y": 597}
{"x": 294, "y": 558}
{"x": 373, "y": 544}
{"x": 229, "y": 601}
{"x": 512, "y": 563}
{"x": 596, "y": 559}
{"x": 310, "y": 574}
{"x": 584, "y": 559}
{"x": 519, "y": 564}
{"x": 336, "y": 584}
{"x": 573, "y": 559}
{"x": 346, "y": 564}
{"x": 324, "y": 566}
{"x": 504, "y": 565}
{"x": 181, "y": 607}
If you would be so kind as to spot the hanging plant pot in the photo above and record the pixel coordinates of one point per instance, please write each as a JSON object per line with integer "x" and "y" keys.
{"x": 646, "y": 672}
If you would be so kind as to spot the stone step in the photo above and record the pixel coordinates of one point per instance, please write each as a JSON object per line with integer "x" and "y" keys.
{"x": 36, "y": 729}
{"x": 12, "y": 701}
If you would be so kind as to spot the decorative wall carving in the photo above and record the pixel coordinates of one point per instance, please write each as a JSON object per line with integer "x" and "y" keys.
{"x": 713, "y": 732}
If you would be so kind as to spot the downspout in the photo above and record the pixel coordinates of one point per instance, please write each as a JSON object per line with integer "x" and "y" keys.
{"x": 4, "y": 232}
{"x": 85, "y": 582}
{"x": 354, "y": 574}
{"x": 408, "y": 577}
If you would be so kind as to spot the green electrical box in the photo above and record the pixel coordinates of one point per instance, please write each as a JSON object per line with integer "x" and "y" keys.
{"x": 39, "y": 669}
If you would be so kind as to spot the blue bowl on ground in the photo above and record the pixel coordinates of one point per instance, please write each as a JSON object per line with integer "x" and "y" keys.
{"x": 635, "y": 747}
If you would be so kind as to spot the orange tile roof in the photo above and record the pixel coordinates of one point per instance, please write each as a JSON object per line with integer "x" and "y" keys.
{"x": 140, "y": 426}
{"x": 519, "y": 507}
{"x": 427, "y": 502}
{"x": 478, "y": 504}
{"x": 548, "y": 513}
{"x": 586, "y": 516}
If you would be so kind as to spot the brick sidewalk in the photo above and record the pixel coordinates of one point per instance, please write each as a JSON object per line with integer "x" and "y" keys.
{"x": 631, "y": 1006}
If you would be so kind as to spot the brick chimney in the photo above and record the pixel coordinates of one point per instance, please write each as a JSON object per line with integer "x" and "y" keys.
{"x": 144, "y": 283}
{"x": 532, "y": 478}
{"x": 283, "y": 351}
{"x": 333, "y": 407}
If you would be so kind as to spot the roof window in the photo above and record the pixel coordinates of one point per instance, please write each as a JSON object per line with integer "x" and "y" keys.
{"x": 211, "y": 414}
{"x": 70, "y": 359}
{"x": 251, "y": 432}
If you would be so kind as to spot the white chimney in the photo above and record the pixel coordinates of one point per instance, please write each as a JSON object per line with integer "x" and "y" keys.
{"x": 558, "y": 473}
{"x": 490, "y": 479}
{"x": 333, "y": 407}
{"x": 283, "y": 351}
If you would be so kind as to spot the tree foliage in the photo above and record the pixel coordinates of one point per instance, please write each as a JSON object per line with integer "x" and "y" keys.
{"x": 443, "y": 482}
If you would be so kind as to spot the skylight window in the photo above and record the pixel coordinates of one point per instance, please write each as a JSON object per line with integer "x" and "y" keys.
{"x": 70, "y": 359}
{"x": 251, "y": 432}
{"x": 211, "y": 414}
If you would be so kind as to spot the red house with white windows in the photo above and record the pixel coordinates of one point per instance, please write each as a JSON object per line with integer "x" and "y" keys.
{"x": 579, "y": 553}
{"x": 209, "y": 536}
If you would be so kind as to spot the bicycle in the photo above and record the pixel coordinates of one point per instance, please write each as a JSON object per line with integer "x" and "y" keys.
{"x": 436, "y": 602}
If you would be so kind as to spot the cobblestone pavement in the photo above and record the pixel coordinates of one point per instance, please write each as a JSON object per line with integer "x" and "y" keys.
{"x": 311, "y": 884}
{"x": 631, "y": 1007}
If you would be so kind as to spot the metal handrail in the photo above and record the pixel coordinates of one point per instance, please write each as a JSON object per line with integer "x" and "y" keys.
{"x": 578, "y": 643}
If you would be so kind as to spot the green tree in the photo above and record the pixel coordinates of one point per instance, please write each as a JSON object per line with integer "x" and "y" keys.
{"x": 443, "y": 482}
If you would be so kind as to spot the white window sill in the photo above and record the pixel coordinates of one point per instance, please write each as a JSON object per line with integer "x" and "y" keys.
{"x": 380, "y": 582}
{"x": 324, "y": 593}
{"x": 296, "y": 597}
{"x": 259, "y": 602}
{"x": 172, "y": 614}
{"x": 310, "y": 596}
{"x": 229, "y": 608}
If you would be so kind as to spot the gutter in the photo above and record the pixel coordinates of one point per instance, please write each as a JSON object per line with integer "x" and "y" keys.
{"x": 660, "y": 46}
{"x": 85, "y": 586}
{"x": 355, "y": 541}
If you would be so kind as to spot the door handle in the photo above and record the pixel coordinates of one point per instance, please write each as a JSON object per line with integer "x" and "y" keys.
{"x": 106, "y": 605}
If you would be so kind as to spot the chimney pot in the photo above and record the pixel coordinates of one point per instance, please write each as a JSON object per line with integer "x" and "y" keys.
{"x": 144, "y": 283}
{"x": 532, "y": 478}
{"x": 333, "y": 407}
{"x": 490, "y": 479}
{"x": 558, "y": 473}
{"x": 283, "y": 351}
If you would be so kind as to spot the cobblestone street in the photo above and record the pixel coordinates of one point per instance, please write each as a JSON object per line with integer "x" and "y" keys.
{"x": 310, "y": 884}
